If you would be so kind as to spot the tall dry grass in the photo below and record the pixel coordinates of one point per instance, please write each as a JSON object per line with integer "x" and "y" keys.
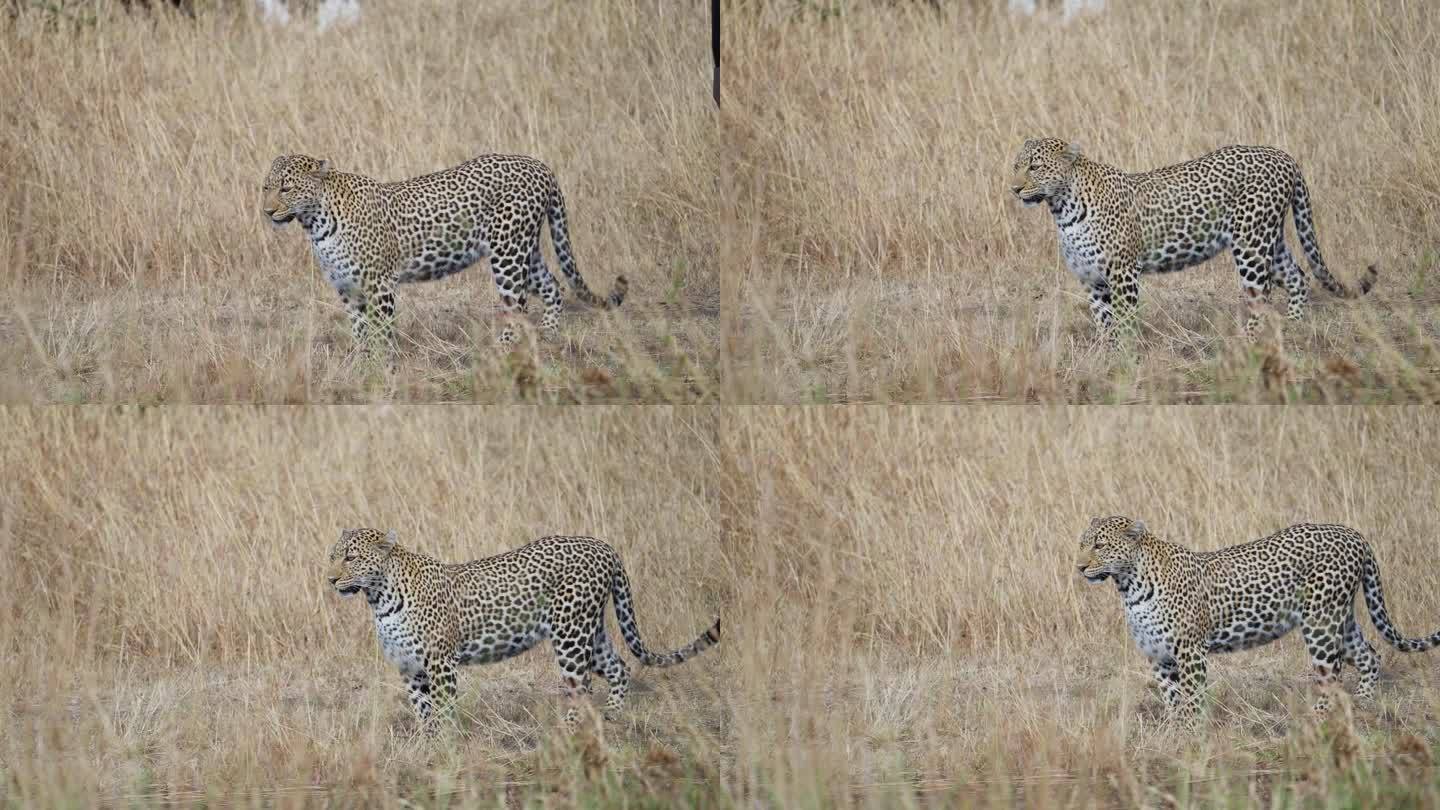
{"x": 884, "y": 257}
{"x": 905, "y": 624}
{"x": 916, "y": 633}
{"x": 136, "y": 265}
{"x": 167, "y": 634}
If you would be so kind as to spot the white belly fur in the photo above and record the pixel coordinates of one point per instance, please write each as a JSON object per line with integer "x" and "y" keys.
{"x": 1082, "y": 253}
{"x": 397, "y": 642}
{"x": 337, "y": 267}
{"x": 1145, "y": 628}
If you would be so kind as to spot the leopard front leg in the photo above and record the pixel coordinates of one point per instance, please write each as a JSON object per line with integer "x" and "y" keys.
{"x": 1182, "y": 680}
{"x": 1114, "y": 287}
{"x": 432, "y": 693}
{"x": 1123, "y": 277}
{"x": 1167, "y": 677}
{"x": 370, "y": 304}
{"x": 354, "y": 301}
{"x": 1107, "y": 267}
{"x": 1100, "y": 309}
{"x": 373, "y": 321}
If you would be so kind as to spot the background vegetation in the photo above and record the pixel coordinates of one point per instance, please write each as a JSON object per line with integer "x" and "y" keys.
{"x": 136, "y": 265}
{"x": 917, "y": 633}
{"x": 167, "y": 636}
{"x": 881, "y": 255}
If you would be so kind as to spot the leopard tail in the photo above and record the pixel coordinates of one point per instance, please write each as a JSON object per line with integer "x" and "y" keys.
{"x": 560, "y": 237}
{"x": 625, "y": 613}
{"x": 1380, "y": 617}
{"x": 1305, "y": 229}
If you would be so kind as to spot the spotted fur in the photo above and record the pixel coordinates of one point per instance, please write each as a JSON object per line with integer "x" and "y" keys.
{"x": 1115, "y": 226}
{"x": 1183, "y": 604}
{"x": 368, "y": 235}
{"x": 432, "y": 617}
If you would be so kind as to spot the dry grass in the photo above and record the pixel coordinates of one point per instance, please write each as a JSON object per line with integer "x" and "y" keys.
{"x": 907, "y": 628}
{"x": 136, "y": 264}
{"x": 167, "y": 634}
{"x": 883, "y": 257}
{"x": 920, "y": 636}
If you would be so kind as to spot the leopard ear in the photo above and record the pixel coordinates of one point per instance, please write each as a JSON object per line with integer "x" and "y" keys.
{"x": 1137, "y": 529}
{"x": 1072, "y": 152}
{"x": 391, "y": 539}
{"x": 1094, "y": 522}
{"x": 323, "y": 169}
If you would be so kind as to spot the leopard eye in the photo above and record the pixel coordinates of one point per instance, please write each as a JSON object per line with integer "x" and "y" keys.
{"x": 349, "y": 556}
{"x": 284, "y": 188}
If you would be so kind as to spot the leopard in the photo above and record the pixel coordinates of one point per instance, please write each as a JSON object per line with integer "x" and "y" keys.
{"x": 433, "y": 617}
{"x": 368, "y": 236}
{"x": 1115, "y": 226}
{"x": 1181, "y": 605}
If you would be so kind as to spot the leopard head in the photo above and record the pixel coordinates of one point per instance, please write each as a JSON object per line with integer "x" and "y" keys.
{"x": 1109, "y": 548}
{"x": 357, "y": 561}
{"x": 1043, "y": 169}
{"x": 293, "y": 188}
